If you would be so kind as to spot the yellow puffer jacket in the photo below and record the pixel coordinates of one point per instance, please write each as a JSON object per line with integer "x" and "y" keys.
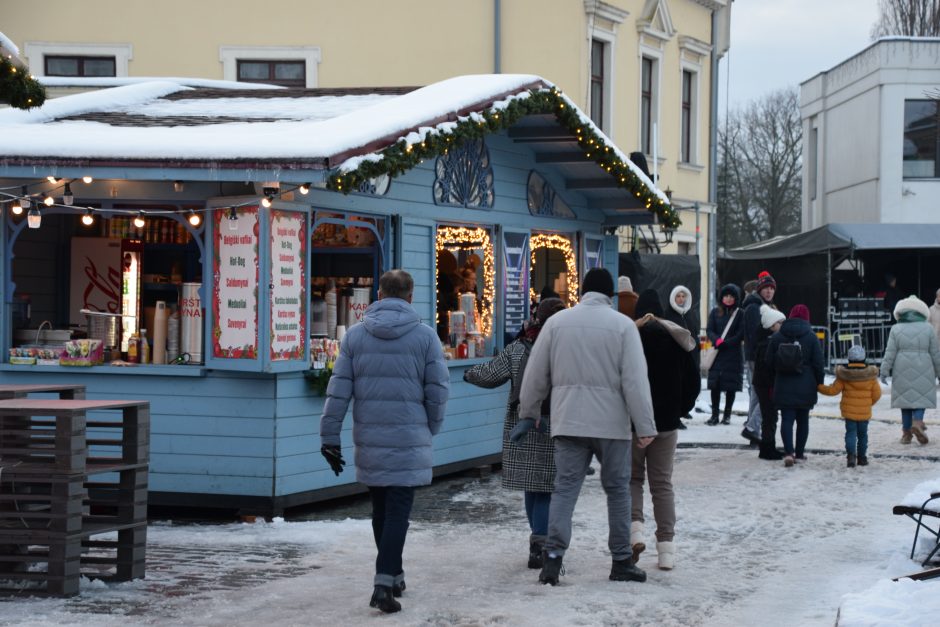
{"x": 860, "y": 390}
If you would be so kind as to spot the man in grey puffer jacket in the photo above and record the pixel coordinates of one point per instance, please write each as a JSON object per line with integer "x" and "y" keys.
{"x": 591, "y": 359}
{"x": 394, "y": 367}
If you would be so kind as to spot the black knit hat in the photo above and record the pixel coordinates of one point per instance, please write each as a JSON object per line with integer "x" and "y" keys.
{"x": 649, "y": 302}
{"x": 598, "y": 280}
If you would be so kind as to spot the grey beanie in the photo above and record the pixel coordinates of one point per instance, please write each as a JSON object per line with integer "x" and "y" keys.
{"x": 856, "y": 353}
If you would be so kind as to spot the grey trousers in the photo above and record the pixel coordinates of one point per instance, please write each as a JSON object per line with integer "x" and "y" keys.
{"x": 753, "y": 407}
{"x": 572, "y": 458}
{"x": 655, "y": 462}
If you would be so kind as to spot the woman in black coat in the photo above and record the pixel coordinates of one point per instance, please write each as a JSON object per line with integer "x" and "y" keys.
{"x": 727, "y": 373}
{"x": 795, "y": 392}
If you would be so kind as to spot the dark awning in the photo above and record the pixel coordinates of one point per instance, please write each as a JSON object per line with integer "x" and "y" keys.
{"x": 842, "y": 237}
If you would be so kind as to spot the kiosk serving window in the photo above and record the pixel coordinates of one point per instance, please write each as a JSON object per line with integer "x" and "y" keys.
{"x": 553, "y": 266}
{"x": 465, "y": 290}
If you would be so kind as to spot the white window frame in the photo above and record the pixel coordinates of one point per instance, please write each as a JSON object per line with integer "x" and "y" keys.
{"x": 35, "y": 53}
{"x": 229, "y": 56}
{"x": 694, "y": 112}
{"x": 656, "y": 56}
{"x": 602, "y": 22}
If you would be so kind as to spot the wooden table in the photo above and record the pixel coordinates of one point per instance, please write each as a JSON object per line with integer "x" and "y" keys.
{"x": 65, "y": 391}
{"x": 51, "y": 509}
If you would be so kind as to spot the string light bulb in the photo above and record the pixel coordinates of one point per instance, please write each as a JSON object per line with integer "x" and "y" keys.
{"x": 194, "y": 218}
{"x": 304, "y": 189}
{"x": 267, "y": 201}
{"x": 139, "y": 221}
{"x": 34, "y": 218}
{"x": 16, "y": 208}
{"x": 67, "y": 197}
{"x": 178, "y": 186}
{"x": 24, "y": 201}
{"x": 232, "y": 219}
{"x": 52, "y": 179}
{"x": 87, "y": 179}
{"x": 48, "y": 201}
{"x": 87, "y": 218}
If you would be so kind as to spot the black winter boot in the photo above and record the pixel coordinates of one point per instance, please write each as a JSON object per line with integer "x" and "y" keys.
{"x": 382, "y": 598}
{"x": 535, "y": 553}
{"x": 850, "y": 461}
{"x": 714, "y": 419}
{"x": 551, "y": 569}
{"x": 769, "y": 451}
{"x": 399, "y": 586}
{"x": 626, "y": 570}
{"x": 727, "y": 418}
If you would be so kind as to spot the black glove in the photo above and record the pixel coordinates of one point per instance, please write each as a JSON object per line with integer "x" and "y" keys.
{"x": 334, "y": 457}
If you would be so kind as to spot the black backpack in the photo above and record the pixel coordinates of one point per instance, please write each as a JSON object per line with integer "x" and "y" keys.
{"x": 789, "y": 358}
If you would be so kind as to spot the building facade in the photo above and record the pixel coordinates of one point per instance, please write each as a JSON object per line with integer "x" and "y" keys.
{"x": 643, "y": 69}
{"x": 870, "y": 129}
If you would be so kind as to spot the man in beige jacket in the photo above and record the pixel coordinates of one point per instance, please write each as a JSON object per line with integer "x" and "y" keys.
{"x": 590, "y": 358}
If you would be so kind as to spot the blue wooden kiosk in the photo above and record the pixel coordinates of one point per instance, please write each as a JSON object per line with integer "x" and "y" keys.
{"x": 298, "y": 195}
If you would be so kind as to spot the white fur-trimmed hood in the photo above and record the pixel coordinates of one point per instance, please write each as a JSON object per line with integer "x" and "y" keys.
{"x": 688, "y": 299}
{"x": 911, "y": 303}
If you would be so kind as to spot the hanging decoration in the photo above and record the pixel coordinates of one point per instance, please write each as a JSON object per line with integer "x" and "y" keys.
{"x": 463, "y": 176}
{"x": 477, "y": 237}
{"x": 17, "y": 88}
{"x": 562, "y": 243}
{"x": 404, "y": 155}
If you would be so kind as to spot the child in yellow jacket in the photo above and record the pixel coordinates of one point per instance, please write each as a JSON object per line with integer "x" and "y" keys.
{"x": 860, "y": 390}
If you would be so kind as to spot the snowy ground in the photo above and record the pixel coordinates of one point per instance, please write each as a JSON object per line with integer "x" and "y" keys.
{"x": 757, "y": 544}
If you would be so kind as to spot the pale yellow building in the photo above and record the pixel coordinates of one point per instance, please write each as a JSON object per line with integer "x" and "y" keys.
{"x": 643, "y": 69}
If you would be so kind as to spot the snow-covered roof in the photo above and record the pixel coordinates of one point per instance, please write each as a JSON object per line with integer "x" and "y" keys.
{"x": 237, "y": 126}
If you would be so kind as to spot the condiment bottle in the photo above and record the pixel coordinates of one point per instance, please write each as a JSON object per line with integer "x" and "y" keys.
{"x": 133, "y": 348}
{"x": 144, "y": 347}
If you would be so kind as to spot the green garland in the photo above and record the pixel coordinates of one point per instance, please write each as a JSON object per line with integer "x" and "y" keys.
{"x": 18, "y": 88}
{"x": 402, "y": 156}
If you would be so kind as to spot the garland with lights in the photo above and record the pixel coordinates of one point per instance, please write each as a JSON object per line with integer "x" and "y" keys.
{"x": 562, "y": 243}
{"x": 404, "y": 155}
{"x": 18, "y": 88}
{"x": 479, "y": 237}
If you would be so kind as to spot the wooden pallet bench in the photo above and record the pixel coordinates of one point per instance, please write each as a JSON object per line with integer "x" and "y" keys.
{"x": 923, "y": 502}
{"x": 73, "y": 493}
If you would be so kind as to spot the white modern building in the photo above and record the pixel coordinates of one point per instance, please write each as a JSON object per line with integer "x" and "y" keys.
{"x": 870, "y": 136}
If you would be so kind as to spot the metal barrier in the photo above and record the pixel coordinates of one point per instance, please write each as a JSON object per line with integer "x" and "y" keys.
{"x": 868, "y": 327}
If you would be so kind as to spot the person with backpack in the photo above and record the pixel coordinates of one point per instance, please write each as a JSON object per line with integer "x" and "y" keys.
{"x": 912, "y": 358}
{"x": 796, "y": 360}
{"x": 528, "y": 456}
{"x": 725, "y": 331}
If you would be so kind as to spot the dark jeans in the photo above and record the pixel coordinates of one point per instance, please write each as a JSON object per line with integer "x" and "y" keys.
{"x": 856, "y": 437}
{"x": 787, "y": 418}
{"x": 536, "y": 510}
{"x": 768, "y": 415}
{"x": 391, "y": 507}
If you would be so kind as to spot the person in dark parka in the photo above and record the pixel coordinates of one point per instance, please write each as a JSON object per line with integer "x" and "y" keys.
{"x": 726, "y": 373}
{"x": 795, "y": 393}
{"x": 681, "y": 312}
{"x": 674, "y": 386}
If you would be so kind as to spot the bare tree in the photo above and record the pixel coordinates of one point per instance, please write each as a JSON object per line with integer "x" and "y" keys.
{"x": 911, "y": 18}
{"x": 759, "y": 170}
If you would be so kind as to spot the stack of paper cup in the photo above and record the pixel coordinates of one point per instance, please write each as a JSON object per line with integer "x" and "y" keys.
{"x": 330, "y": 298}
{"x": 173, "y": 336}
{"x": 159, "y": 333}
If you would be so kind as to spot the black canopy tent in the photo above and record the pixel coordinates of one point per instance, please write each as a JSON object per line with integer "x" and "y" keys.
{"x": 841, "y": 260}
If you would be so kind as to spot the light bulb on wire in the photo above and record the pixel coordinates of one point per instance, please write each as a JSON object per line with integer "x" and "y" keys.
{"x": 34, "y": 218}
{"x": 88, "y": 219}
{"x": 139, "y": 221}
{"x": 267, "y": 201}
{"x": 67, "y": 197}
{"x": 48, "y": 201}
{"x": 87, "y": 179}
{"x": 52, "y": 179}
{"x": 194, "y": 218}
{"x": 16, "y": 208}
{"x": 304, "y": 189}
{"x": 232, "y": 220}
{"x": 24, "y": 201}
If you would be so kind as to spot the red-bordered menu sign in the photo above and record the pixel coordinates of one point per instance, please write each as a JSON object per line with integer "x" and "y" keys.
{"x": 235, "y": 290}
{"x": 288, "y": 293}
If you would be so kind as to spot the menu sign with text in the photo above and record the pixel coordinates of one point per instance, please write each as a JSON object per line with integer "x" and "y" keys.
{"x": 287, "y": 281}
{"x": 235, "y": 290}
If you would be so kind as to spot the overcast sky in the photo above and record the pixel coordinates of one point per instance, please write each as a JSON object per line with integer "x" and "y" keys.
{"x": 776, "y": 43}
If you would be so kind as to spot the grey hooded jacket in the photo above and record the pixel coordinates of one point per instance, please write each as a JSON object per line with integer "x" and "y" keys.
{"x": 394, "y": 368}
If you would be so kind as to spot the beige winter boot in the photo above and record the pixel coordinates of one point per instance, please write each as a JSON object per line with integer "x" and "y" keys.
{"x": 906, "y": 436}
{"x": 636, "y": 539}
{"x": 918, "y": 429}
{"x": 667, "y": 555}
